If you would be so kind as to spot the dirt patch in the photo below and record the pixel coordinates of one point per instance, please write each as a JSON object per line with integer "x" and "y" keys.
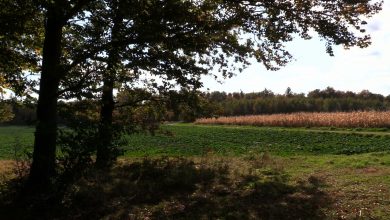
{"x": 368, "y": 170}
{"x": 372, "y": 171}
{"x": 6, "y": 166}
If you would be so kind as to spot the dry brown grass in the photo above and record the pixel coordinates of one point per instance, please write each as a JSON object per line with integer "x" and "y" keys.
{"x": 6, "y": 170}
{"x": 6, "y": 166}
{"x": 367, "y": 119}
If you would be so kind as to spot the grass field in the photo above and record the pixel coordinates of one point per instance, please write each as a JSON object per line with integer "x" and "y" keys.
{"x": 190, "y": 140}
{"x": 15, "y": 138}
{"x": 198, "y": 140}
{"x": 298, "y": 173}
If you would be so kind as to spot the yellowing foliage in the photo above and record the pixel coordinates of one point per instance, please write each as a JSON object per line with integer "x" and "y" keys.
{"x": 367, "y": 119}
{"x": 3, "y": 84}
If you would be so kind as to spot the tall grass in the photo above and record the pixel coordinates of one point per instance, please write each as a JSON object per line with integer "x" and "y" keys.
{"x": 366, "y": 119}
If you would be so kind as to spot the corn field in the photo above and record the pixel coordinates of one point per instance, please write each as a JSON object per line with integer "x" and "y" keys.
{"x": 366, "y": 119}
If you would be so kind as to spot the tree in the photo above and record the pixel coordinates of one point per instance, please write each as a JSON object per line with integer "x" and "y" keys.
{"x": 20, "y": 44}
{"x": 33, "y": 42}
{"x": 57, "y": 16}
{"x": 288, "y": 92}
{"x": 168, "y": 48}
{"x": 209, "y": 32}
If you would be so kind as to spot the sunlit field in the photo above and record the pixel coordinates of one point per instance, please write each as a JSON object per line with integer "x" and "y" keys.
{"x": 199, "y": 140}
{"x": 368, "y": 119}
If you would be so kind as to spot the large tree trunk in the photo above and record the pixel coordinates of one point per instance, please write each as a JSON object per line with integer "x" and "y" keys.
{"x": 43, "y": 165}
{"x": 104, "y": 155}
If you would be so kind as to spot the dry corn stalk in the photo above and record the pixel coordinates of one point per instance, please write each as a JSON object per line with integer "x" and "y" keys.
{"x": 366, "y": 119}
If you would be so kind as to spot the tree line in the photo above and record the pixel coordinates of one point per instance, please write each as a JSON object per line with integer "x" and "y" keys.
{"x": 267, "y": 102}
{"x": 184, "y": 105}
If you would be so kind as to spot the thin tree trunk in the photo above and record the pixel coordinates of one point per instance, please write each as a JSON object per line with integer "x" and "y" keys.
{"x": 43, "y": 165}
{"x": 104, "y": 155}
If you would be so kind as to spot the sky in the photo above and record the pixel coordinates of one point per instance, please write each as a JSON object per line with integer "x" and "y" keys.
{"x": 353, "y": 70}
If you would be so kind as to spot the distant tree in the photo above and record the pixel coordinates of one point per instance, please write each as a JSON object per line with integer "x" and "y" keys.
{"x": 266, "y": 93}
{"x": 327, "y": 100}
{"x": 288, "y": 92}
{"x": 314, "y": 94}
{"x": 217, "y": 96}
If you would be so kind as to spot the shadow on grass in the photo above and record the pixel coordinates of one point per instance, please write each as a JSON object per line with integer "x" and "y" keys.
{"x": 182, "y": 189}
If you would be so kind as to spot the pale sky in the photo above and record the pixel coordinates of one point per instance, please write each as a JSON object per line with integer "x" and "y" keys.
{"x": 354, "y": 70}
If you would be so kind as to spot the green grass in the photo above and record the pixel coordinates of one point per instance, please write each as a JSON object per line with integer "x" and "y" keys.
{"x": 14, "y": 138}
{"x": 198, "y": 140}
{"x": 358, "y": 184}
